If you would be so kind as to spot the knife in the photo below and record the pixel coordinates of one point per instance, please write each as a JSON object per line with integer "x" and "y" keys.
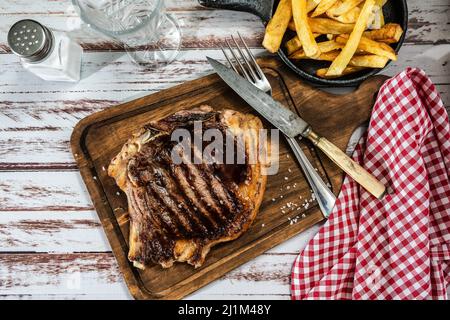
{"x": 292, "y": 125}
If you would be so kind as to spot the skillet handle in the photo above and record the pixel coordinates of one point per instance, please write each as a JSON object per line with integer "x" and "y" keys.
{"x": 262, "y": 8}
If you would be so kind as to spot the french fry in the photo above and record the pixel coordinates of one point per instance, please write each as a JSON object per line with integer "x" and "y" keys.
{"x": 339, "y": 64}
{"x": 294, "y": 44}
{"x": 323, "y": 6}
{"x": 389, "y": 33}
{"x": 303, "y": 30}
{"x": 324, "y": 47}
{"x": 325, "y": 56}
{"x": 376, "y": 19}
{"x": 369, "y": 61}
{"x": 323, "y": 72}
{"x": 327, "y": 26}
{"x": 342, "y": 7}
{"x": 277, "y": 26}
{"x": 327, "y": 46}
{"x": 381, "y": 3}
{"x": 348, "y": 17}
{"x": 371, "y": 46}
{"x": 311, "y": 5}
{"x": 363, "y": 61}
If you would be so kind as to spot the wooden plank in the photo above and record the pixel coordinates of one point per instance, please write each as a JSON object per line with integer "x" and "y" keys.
{"x": 51, "y": 231}
{"x": 112, "y": 77}
{"x": 90, "y": 273}
{"x": 96, "y": 274}
{"x": 105, "y": 75}
{"x": 428, "y": 23}
{"x": 43, "y": 191}
{"x": 195, "y": 25}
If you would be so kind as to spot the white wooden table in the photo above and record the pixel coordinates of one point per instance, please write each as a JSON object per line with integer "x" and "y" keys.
{"x": 51, "y": 241}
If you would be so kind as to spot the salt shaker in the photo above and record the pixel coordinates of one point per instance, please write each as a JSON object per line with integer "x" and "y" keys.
{"x": 49, "y": 54}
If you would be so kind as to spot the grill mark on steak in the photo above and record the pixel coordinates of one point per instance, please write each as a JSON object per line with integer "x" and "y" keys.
{"x": 179, "y": 208}
{"x": 153, "y": 210}
{"x": 201, "y": 188}
{"x": 167, "y": 191}
{"x": 165, "y": 206}
{"x": 181, "y": 177}
{"x": 203, "y": 223}
{"x": 219, "y": 193}
{"x": 166, "y": 203}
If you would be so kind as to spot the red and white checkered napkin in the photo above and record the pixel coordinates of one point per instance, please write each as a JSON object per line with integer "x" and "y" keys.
{"x": 397, "y": 247}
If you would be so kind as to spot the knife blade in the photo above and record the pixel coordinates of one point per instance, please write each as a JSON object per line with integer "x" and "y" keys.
{"x": 288, "y": 122}
{"x": 292, "y": 125}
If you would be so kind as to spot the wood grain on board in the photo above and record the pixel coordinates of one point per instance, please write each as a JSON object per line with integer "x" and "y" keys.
{"x": 99, "y": 137}
{"x": 44, "y": 207}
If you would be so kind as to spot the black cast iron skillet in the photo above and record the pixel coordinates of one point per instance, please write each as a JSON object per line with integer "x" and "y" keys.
{"x": 395, "y": 11}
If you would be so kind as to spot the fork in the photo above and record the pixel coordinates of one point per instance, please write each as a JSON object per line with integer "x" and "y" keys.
{"x": 246, "y": 66}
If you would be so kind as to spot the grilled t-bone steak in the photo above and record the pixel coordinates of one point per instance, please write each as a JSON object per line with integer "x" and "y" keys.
{"x": 179, "y": 211}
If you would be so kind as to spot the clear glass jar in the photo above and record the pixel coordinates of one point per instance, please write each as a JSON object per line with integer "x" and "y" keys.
{"x": 150, "y": 35}
{"x": 49, "y": 54}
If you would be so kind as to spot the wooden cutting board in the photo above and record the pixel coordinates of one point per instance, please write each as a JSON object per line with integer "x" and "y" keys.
{"x": 287, "y": 208}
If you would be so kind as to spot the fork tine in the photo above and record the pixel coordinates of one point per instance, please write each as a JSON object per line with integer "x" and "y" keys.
{"x": 245, "y": 74}
{"x": 255, "y": 64}
{"x": 229, "y": 60}
{"x": 255, "y": 77}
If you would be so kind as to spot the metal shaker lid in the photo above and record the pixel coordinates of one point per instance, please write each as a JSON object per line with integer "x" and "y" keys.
{"x": 30, "y": 40}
